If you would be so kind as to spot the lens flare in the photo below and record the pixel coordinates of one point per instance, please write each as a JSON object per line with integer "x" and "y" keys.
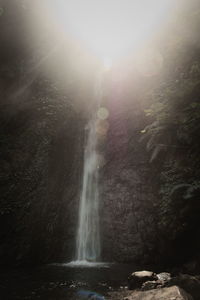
{"x": 102, "y": 113}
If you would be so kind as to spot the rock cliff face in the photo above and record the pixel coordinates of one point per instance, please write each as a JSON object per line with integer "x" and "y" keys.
{"x": 41, "y": 153}
{"x": 127, "y": 196}
{"x": 42, "y": 161}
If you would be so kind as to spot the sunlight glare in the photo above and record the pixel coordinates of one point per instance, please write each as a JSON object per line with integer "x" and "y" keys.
{"x": 110, "y": 28}
{"x": 107, "y": 63}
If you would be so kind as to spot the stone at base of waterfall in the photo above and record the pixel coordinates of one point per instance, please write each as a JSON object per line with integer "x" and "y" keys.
{"x": 149, "y": 285}
{"x": 189, "y": 283}
{"x": 136, "y": 279}
{"x": 162, "y": 280}
{"x": 170, "y": 293}
{"x": 164, "y": 277}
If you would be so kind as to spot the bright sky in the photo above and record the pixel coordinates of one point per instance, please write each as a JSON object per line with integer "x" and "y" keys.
{"x": 110, "y": 28}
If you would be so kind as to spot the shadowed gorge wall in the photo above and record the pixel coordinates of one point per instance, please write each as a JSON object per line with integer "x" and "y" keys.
{"x": 128, "y": 212}
{"x": 41, "y": 154}
{"x": 41, "y": 166}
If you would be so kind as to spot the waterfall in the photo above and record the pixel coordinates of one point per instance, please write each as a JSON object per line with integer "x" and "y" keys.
{"x": 88, "y": 240}
{"x": 88, "y": 236}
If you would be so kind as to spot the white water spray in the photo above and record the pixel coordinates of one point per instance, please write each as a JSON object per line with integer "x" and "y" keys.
{"x": 88, "y": 246}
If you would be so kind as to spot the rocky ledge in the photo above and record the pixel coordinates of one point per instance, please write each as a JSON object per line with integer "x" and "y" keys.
{"x": 147, "y": 285}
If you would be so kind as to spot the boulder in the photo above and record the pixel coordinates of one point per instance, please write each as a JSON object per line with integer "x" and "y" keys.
{"x": 136, "y": 279}
{"x": 162, "y": 280}
{"x": 169, "y": 293}
{"x": 191, "y": 284}
{"x": 149, "y": 285}
{"x": 164, "y": 277}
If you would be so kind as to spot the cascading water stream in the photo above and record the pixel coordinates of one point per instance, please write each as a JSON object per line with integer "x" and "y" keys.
{"x": 88, "y": 240}
{"x": 88, "y": 236}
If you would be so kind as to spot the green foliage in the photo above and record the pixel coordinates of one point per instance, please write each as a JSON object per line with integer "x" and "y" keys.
{"x": 176, "y": 114}
{"x": 172, "y": 138}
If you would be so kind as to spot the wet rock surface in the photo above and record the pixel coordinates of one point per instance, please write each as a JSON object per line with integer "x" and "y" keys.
{"x": 164, "y": 276}
{"x": 189, "y": 283}
{"x": 136, "y": 279}
{"x": 159, "y": 285}
{"x": 171, "y": 293}
{"x": 149, "y": 285}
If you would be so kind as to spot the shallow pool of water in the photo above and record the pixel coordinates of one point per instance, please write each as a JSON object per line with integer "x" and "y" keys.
{"x": 62, "y": 281}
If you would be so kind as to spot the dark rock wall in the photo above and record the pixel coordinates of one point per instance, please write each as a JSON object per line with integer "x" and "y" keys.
{"x": 42, "y": 162}
{"x": 127, "y": 197}
{"x": 41, "y": 149}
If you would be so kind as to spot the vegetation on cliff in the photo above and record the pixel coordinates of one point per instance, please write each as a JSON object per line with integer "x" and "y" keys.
{"x": 172, "y": 137}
